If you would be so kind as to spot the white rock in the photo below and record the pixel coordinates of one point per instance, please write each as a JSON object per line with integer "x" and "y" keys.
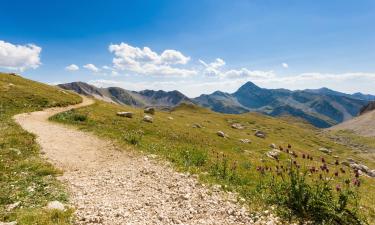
{"x": 220, "y": 134}
{"x": 10, "y": 207}
{"x": 56, "y": 205}
{"x": 148, "y": 119}
{"x": 125, "y": 114}
{"x": 8, "y": 223}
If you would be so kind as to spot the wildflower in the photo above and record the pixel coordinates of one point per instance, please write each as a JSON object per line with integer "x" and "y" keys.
{"x": 336, "y": 174}
{"x": 323, "y": 160}
{"x": 289, "y": 146}
{"x": 338, "y": 188}
{"x": 303, "y": 156}
{"x": 337, "y": 162}
{"x": 342, "y": 170}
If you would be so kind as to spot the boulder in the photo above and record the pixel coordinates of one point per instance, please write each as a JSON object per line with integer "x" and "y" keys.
{"x": 325, "y": 150}
{"x": 274, "y": 154}
{"x": 221, "y": 134}
{"x": 245, "y": 141}
{"x": 237, "y": 126}
{"x": 197, "y": 125}
{"x": 371, "y": 173}
{"x": 148, "y": 119}
{"x": 150, "y": 110}
{"x": 56, "y": 205}
{"x": 260, "y": 134}
{"x": 125, "y": 114}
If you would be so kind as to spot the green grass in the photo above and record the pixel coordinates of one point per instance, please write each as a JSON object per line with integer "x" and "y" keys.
{"x": 24, "y": 176}
{"x": 218, "y": 160}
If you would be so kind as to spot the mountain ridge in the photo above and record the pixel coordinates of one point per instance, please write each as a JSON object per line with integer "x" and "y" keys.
{"x": 321, "y": 107}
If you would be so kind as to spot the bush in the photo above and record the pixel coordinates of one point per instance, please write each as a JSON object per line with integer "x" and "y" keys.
{"x": 311, "y": 194}
{"x": 194, "y": 157}
{"x": 133, "y": 137}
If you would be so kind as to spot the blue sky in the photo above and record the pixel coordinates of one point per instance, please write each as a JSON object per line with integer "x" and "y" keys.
{"x": 192, "y": 46}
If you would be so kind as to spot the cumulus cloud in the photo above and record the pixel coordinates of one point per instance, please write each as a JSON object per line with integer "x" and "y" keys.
{"x": 72, "y": 67}
{"x": 91, "y": 67}
{"x": 147, "y": 62}
{"x": 19, "y": 57}
{"x": 285, "y": 65}
{"x": 215, "y": 69}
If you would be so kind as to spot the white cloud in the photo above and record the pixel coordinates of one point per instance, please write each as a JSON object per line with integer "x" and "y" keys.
{"x": 72, "y": 67}
{"x": 147, "y": 62}
{"x": 91, "y": 67}
{"x": 285, "y": 65}
{"x": 214, "y": 69}
{"x": 19, "y": 57}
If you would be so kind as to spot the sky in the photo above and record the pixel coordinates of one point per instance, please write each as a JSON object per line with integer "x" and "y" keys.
{"x": 194, "y": 46}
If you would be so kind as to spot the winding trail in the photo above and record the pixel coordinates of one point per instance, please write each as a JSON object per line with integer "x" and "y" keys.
{"x": 113, "y": 186}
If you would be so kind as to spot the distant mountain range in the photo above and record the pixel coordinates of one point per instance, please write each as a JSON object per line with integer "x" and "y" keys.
{"x": 126, "y": 97}
{"x": 321, "y": 107}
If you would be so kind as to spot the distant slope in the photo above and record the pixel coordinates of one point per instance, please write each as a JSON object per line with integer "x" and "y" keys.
{"x": 368, "y": 108}
{"x": 321, "y": 107}
{"x": 362, "y": 125}
{"x": 125, "y": 97}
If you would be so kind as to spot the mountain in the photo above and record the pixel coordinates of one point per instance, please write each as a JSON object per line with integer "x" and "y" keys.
{"x": 125, "y": 97}
{"x": 321, "y": 107}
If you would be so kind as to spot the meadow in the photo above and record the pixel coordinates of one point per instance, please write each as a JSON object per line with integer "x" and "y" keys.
{"x": 187, "y": 137}
{"x": 27, "y": 180}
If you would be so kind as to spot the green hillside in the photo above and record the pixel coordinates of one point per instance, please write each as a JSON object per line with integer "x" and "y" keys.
{"x": 187, "y": 136}
{"x": 24, "y": 176}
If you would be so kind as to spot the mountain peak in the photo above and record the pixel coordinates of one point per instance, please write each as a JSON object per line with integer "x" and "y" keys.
{"x": 248, "y": 86}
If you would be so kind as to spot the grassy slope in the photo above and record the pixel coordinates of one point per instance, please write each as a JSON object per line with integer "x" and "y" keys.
{"x": 24, "y": 176}
{"x": 189, "y": 147}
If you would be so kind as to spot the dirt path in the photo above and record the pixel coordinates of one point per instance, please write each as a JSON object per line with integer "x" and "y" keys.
{"x": 109, "y": 186}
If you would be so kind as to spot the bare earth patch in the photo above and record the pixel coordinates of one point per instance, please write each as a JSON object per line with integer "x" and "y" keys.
{"x": 110, "y": 186}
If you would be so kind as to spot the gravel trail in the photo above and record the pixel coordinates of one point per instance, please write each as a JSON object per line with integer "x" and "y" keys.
{"x": 114, "y": 186}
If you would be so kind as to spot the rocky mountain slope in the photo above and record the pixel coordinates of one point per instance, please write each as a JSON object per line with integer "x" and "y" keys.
{"x": 321, "y": 107}
{"x": 363, "y": 125}
{"x": 126, "y": 97}
{"x": 368, "y": 108}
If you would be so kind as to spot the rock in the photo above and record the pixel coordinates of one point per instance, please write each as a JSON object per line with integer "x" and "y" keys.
{"x": 150, "y": 110}
{"x": 221, "y": 134}
{"x": 10, "y": 207}
{"x": 273, "y": 146}
{"x": 125, "y": 114}
{"x": 274, "y": 154}
{"x": 56, "y": 205}
{"x": 148, "y": 119}
{"x": 237, "y": 126}
{"x": 245, "y": 141}
{"x": 360, "y": 167}
{"x": 170, "y": 118}
{"x": 197, "y": 125}
{"x": 371, "y": 173}
{"x": 8, "y": 223}
{"x": 325, "y": 150}
{"x": 260, "y": 134}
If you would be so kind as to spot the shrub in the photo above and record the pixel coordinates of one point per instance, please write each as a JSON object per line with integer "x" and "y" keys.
{"x": 310, "y": 194}
{"x": 194, "y": 157}
{"x": 133, "y": 137}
